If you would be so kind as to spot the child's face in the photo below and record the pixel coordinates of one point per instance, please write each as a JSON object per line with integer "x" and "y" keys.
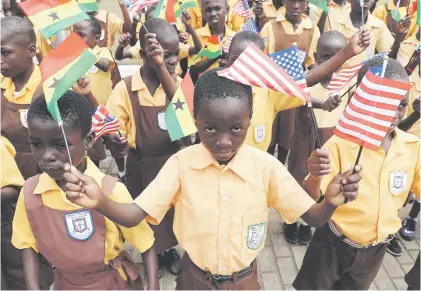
{"x": 214, "y": 12}
{"x": 7, "y": 8}
{"x": 356, "y": 6}
{"x": 222, "y": 125}
{"x": 16, "y": 56}
{"x": 171, "y": 47}
{"x": 327, "y": 50}
{"x": 295, "y": 8}
{"x": 236, "y": 49}
{"x": 400, "y": 113}
{"x": 49, "y": 149}
{"x": 85, "y": 32}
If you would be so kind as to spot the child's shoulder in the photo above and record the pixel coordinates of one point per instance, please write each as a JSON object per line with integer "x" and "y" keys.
{"x": 407, "y": 138}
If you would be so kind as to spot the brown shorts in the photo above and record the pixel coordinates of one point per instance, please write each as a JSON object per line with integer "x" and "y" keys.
{"x": 331, "y": 264}
{"x": 413, "y": 276}
{"x": 192, "y": 278}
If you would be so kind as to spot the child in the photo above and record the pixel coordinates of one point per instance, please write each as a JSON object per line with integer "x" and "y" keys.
{"x": 48, "y": 223}
{"x": 196, "y": 13}
{"x": 271, "y": 10}
{"x": 347, "y": 252}
{"x": 139, "y": 102}
{"x": 222, "y": 190}
{"x": 235, "y": 22}
{"x": 337, "y": 9}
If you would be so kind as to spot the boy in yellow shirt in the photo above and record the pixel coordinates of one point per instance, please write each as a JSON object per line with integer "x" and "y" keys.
{"x": 337, "y": 9}
{"x": 85, "y": 247}
{"x": 347, "y": 252}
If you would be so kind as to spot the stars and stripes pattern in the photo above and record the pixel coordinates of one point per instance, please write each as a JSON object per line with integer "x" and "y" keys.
{"x": 368, "y": 116}
{"x": 227, "y": 44}
{"x": 250, "y": 25}
{"x": 242, "y": 9}
{"x": 135, "y": 6}
{"x": 291, "y": 61}
{"x": 254, "y": 68}
{"x": 103, "y": 122}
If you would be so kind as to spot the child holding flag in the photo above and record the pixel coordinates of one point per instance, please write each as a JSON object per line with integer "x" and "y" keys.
{"x": 347, "y": 252}
{"x": 139, "y": 103}
{"x": 85, "y": 247}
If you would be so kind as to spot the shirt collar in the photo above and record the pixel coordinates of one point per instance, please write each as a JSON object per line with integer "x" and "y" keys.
{"x": 371, "y": 22}
{"x": 33, "y": 82}
{"x": 137, "y": 82}
{"x": 305, "y": 22}
{"x": 205, "y": 31}
{"x": 415, "y": 79}
{"x": 101, "y": 15}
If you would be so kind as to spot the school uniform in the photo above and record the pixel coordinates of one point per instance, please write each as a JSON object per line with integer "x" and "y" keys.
{"x": 413, "y": 276}
{"x": 414, "y": 93}
{"x": 406, "y": 49}
{"x": 306, "y": 37}
{"x": 226, "y": 209}
{"x": 14, "y": 126}
{"x": 111, "y": 25}
{"x": 270, "y": 11}
{"x": 346, "y": 253}
{"x": 266, "y": 104}
{"x": 42, "y": 46}
{"x": 335, "y": 12}
{"x": 235, "y": 22}
{"x": 196, "y": 16}
{"x": 86, "y": 248}
{"x": 142, "y": 119}
{"x": 304, "y": 139}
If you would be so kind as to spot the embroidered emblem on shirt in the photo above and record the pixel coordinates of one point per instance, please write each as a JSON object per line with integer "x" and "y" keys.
{"x": 93, "y": 69}
{"x": 397, "y": 181}
{"x": 259, "y": 133}
{"x": 255, "y": 235}
{"x": 79, "y": 224}
{"x": 24, "y": 117}
{"x": 161, "y": 121}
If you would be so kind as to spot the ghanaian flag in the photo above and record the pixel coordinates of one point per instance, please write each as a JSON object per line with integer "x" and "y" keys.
{"x": 211, "y": 50}
{"x": 88, "y": 5}
{"x": 51, "y": 16}
{"x": 183, "y": 5}
{"x": 165, "y": 9}
{"x": 62, "y": 67}
{"x": 179, "y": 114}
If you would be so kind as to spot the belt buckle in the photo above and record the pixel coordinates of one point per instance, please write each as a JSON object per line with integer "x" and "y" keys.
{"x": 216, "y": 278}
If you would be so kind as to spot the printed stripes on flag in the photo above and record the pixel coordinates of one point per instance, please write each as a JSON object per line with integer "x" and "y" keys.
{"x": 227, "y": 44}
{"x": 242, "y": 9}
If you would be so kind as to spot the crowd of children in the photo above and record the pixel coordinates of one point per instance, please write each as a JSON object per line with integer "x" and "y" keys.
{"x": 65, "y": 222}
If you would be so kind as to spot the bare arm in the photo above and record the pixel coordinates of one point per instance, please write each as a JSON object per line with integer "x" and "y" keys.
{"x": 124, "y": 214}
{"x": 408, "y": 122}
{"x": 103, "y": 64}
{"x": 127, "y": 25}
{"x": 31, "y": 268}
{"x": 319, "y": 213}
{"x": 189, "y": 28}
{"x": 401, "y": 30}
{"x": 10, "y": 194}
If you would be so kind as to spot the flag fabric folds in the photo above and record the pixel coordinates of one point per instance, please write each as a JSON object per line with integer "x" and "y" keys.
{"x": 211, "y": 50}
{"x": 320, "y": 4}
{"x": 227, "y": 44}
{"x": 183, "y": 5}
{"x": 88, "y": 5}
{"x": 250, "y": 25}
{"x": 103, "y": 122}
{"x": 135, "y": 6}
{"x": 242, "y": 9}
{"x": 165, "y": 9}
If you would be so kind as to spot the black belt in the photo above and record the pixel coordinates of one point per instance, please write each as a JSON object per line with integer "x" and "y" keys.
{"x": 228, "y": 278}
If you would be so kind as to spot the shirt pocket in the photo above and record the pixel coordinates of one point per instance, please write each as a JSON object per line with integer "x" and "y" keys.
{"x": 253, "y": 234}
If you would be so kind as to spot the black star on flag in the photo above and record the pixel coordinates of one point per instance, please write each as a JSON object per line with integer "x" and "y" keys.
{"x": 54, "y": 15}
{"x": 179, "y": 104}
{"x": 54, "y": 85}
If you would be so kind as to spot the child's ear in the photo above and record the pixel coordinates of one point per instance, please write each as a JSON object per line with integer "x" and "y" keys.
{"x": 89, "y": 140}
{"x": 32, "y": 50}
{"x": 97, "y": 38}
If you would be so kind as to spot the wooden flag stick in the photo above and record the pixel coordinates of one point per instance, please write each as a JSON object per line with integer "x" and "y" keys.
{"x": 328, "y": 20}
{"x": 347, "y": 91}
{"x": 316, "y": 128}
{"x": 66, "y": 143}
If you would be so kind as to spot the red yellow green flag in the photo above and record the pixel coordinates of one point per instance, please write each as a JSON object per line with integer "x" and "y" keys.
{"x": 183, "y": 5}
{"x": 88, "y": 5}
{"x": 165, "y": 10}
{"x": 51, "y": 16}
{"x": 62, "y": 67}
{"x": 179, "y": 114}
{"x": 211, "y": 50}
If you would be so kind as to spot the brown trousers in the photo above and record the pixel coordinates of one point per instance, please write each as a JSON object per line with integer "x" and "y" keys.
{"x": 192, "y": 278}
{"x": 413, "y": 276}
{"x": 331, "y": 264}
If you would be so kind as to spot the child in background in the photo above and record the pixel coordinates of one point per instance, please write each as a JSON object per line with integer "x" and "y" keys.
{"x": 85, "y": 247}
{"x": 338, "y": 9}
{"x": 196, "y": 14}
{"x": 222, "y": 190}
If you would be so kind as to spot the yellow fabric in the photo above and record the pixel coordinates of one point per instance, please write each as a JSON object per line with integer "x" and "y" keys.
{"x": 115, "y": 25}
{"x": 270, "y": 10}
{"x": 335, "y": 12}
{"x": 10, "y": 174}
{"x": 326, "y": 118}
{"x": 140, "y": 237}
{"x": 381, "y": 40}
{"x": 120, "y": 106}
{"x": 24, "y": 96}
{"x": 196, "y": 15}
{"x": 374, "y": 214}
{"x": 406, "y": 49}
{"x": 266, "y": 103}
{"x": 101, "y": 84}
{"x": 42, "y": 47}
{"x": 235, "y": 22}
{"x": 414, "y": 94}
{"x": 204, "y": 33}
{"x": 215, "y": 205}
{"x": 268, "y": 34}
{"x": 135, "y": 51}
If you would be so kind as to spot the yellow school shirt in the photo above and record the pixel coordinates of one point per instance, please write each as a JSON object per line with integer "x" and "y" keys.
{"x": 196, "y": 15}
{"x": 268, "y": 34}
{"x": 381, "y": 40}
{"x": 101, "y": 84}
{"x": 406, "y": 49}
{"x": 415, "y": 92}
{"x": 141, "y": 236}
{"x": 24, "y": 96}
{"x": 335, "y": 12}
{"x": 115, "y": 25}
{"x": 223, "y": 209}
{"x": 42, "y": 46}
{"x": 270, "y": 10}
{"x": 120, "y": 106}
{"x": 204, "y": 33}
{"x": 266, "y": 103}
{"x": 10, "y": 174}
{"x": 386, "y": 181}
{"x": 235, "y": 22}
{"x": 381, "y": 13}
{"x": 325, "y": 118}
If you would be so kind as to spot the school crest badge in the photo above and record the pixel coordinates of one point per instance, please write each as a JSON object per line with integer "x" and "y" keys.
{"x": 161, "y": 121}
{"x": 79, "y": 224}
{"x": 255, "y": 235}
{"x": 259, "y": 133}
{"x": 24, "y": 117}
{"x": 93, "y": 69}
{"x": 397, "y": 181}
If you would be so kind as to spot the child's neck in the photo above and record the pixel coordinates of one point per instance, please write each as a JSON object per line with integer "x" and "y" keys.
{"x": 340, "y": 3}
{"x": 356, "y": 18}
{"x": 295, "y": 22}
{"x": 387, "y": 142}
{"x": 150, "y": 78}
{"x": 219, "y": 30}
{"x": 22, "y": 79}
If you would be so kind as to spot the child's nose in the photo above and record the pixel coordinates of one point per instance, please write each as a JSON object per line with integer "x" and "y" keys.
{"x": 224, "y": 141}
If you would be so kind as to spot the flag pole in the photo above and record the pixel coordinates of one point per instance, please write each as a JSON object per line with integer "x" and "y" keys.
{"x": 316, "y": 128}
{"x": 347, "y": 91}
{"x": 60, "y": 124}
{"x": 362, "y": 12}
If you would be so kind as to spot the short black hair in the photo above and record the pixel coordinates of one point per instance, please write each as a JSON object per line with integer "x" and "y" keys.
{"x": 94, "y": 24}
{"x": 331, "y": 35}
{"x": 394, "y": 69}
{"x": 250, "y": 37}
{"x": 160, "y": 27}
{"x": 210, "y": 87}
{"x": 20, "y": 27}
{"x": 74, "y": 109}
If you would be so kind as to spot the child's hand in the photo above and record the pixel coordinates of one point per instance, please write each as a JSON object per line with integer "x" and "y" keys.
{"x": 416, "y": 105}
{"x": 82, "y": 189}
{"x": 415, "y": 60}
{"x": 186, "y": 18}
{"x": 118, "y": 145}
{"x": 403, "y": 25}
{"x": 82, "y": 86}
{"x": 124, "y": 40}
{"x": 183, "y": 37}
{"x": 359, "y": 41}
{"x": 344, "y": 186}
{"x": 258, "y": 10}
{"x": 318, "y": 164}
{"x": 154, "y": 51}
{"x": 332, "y": 102}
{"x": 136, "y": 18}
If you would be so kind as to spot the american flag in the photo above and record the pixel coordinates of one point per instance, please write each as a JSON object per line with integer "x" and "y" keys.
{"x": 368, "y": 116}
{"x": 242, "y": 9}
{"x": 255, "y": 68}
{"x": 103, "y": 122}
{"x": 291, "y": 60}
{"x": 344, "y": 76}
{"x": 135, "y": 6}
{"x": 250, "y": 25}
{"x": 227, "y": 44}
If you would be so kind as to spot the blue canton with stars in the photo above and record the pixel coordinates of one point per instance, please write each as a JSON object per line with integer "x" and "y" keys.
{"x": 291, "y": 61}
{"x": 377, "y": 70}
{"x": 250, "y": 25}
